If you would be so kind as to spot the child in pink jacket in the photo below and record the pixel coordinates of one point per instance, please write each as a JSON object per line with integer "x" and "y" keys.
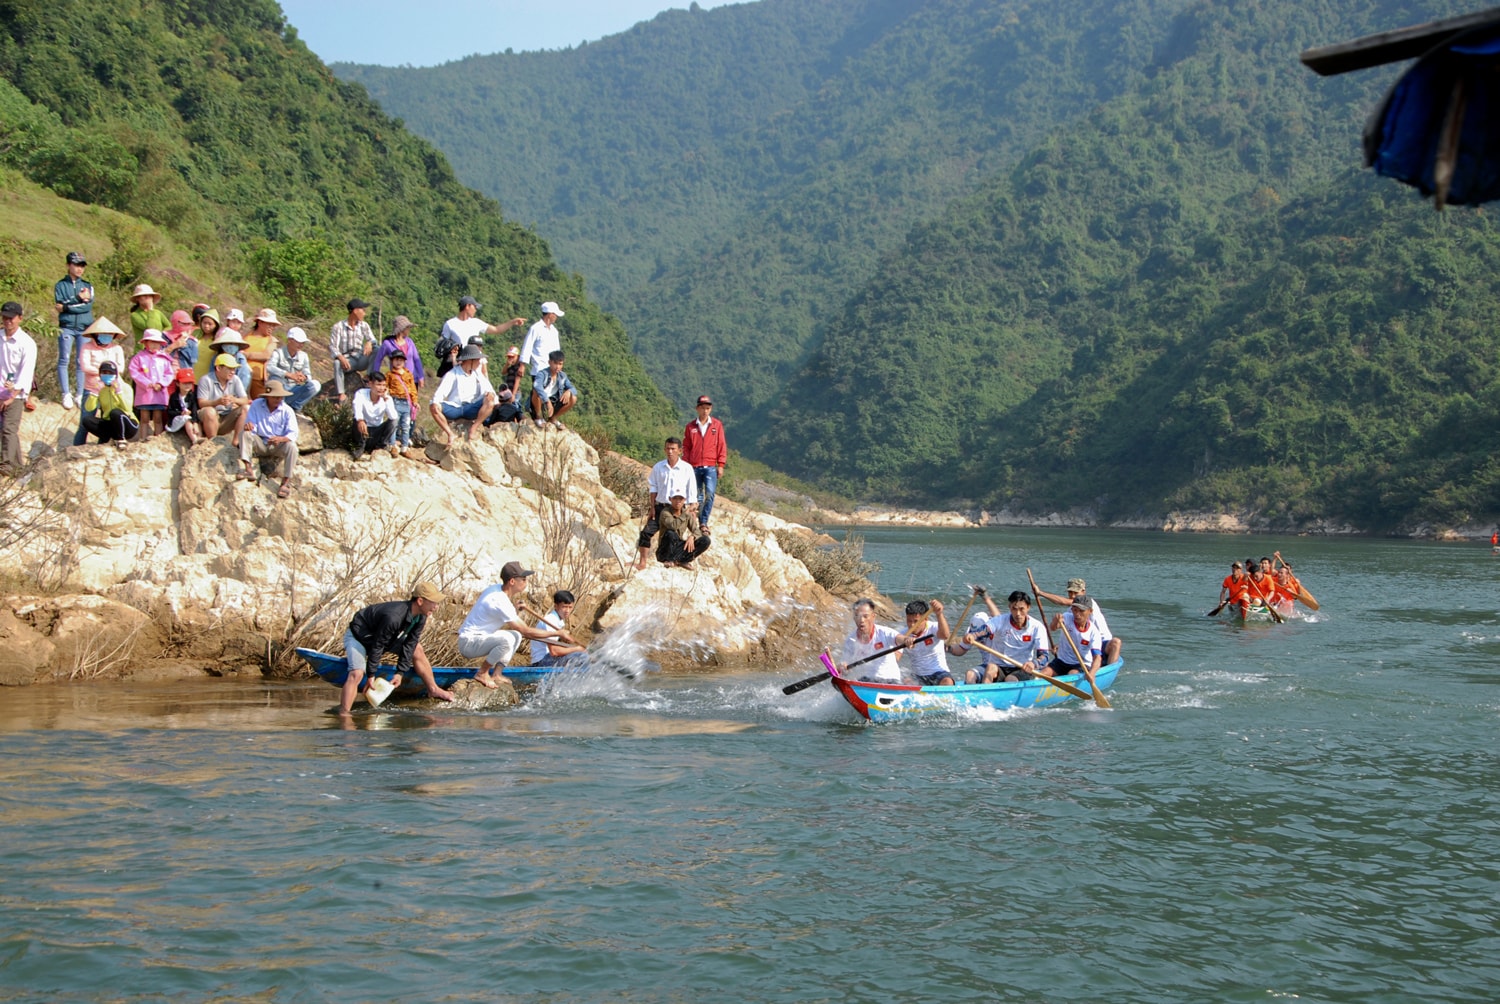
{"x": 153, "y": 371}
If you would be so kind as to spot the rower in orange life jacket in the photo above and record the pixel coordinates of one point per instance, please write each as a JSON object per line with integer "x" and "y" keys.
{"x": 1235, "y": 588}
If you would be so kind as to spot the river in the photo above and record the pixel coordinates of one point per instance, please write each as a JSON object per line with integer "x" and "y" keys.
{"x": 1304, "y": 812}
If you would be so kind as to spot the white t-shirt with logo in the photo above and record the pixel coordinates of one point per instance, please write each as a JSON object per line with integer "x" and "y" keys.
{"x": 882, "y": 639}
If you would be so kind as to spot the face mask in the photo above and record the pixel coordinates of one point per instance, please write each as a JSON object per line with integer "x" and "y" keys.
{"x": 104, "y": 339}
{"x": 107, "y": 379}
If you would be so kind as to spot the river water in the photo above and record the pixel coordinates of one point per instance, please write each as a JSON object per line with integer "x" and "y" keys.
{"x": 1302, "y": 812}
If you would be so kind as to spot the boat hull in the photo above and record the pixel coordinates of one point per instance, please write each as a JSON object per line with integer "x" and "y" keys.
{"x": 885, "y": 702}
{"x": 335, "y": 669}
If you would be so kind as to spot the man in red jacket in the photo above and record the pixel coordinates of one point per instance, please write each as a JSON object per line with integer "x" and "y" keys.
{"x": 703, "y": 447}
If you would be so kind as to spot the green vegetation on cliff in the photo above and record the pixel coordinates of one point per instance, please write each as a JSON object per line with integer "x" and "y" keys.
{"x": 210, "y": 120}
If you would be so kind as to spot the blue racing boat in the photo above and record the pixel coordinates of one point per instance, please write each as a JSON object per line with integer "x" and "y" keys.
{"x": 335, "y": 668}
{"x": 885, "y": 702}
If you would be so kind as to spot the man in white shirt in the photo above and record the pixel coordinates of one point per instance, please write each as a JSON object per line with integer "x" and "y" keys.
{"x": 1018, "y": 636}
{"x": 1112, "y": 644}
{"x": 541, "y": 341}
{"x": 493, "y": 630}
{"x": 17, "y": 370}
{"x": 464, "y": 393}
{"x": 869, "y": 639}
{"x": 375, "y": 417}
{"x": 927, "y": 661}
{"x": 1077, "y": 636}
{"x": 291, "y": 366}
{"x": 672, "y": 476}
{"x": 461, "y": 329}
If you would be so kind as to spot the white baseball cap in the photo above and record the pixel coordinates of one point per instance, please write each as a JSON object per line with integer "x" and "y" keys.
{"x": 551, "y": 308}
{"x": 296, "y": 334}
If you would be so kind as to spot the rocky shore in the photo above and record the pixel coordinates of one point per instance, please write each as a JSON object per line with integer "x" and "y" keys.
{"x": 154, "y": 562}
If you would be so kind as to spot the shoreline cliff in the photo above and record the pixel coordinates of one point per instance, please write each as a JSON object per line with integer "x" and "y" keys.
{"x": 155, "y": 562}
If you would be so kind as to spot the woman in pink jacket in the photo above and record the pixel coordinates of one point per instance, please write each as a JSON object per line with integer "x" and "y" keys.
{"x": 153, "y": 371}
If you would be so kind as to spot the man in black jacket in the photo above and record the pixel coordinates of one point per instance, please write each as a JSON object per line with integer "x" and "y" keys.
{"x": 390, "y": 627}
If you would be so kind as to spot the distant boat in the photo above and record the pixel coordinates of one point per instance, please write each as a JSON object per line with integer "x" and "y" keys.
{"x": 885, "y": 702}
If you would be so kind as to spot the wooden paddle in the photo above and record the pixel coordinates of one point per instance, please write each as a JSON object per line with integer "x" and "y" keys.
{"x": 1274, "y": 615}
{"x": 1068, "y": 687}
{"x": 1088, "y": 673}
{"x": 963, "y": 621}
{"x": 1303, "y": 596}
{"x": 793, "y": 688}
{"x": 1215, "y": 611}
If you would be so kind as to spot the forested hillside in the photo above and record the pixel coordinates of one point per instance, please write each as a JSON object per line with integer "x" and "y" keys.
{"x": 210, "y": 119}
{"x": 726, "y": 178}
{"x": 1118, "y": 256}
{"x": 1193, "y": 299}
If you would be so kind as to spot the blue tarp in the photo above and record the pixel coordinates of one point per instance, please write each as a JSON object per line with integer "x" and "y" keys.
{"x": 1402, "y": 136}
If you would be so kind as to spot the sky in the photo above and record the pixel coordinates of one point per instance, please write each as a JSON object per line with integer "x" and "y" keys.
{"x": 428, "y": 32}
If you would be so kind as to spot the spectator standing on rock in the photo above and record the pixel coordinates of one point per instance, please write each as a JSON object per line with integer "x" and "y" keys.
{"x": 672, "y": 476}
{"x": 401, "y": 342}
{"x": 17, "y": 370}
{"x": 542, "y": 339}
{"x": 73, "y": 298}
{"x": 460, "y": 331}
{"x": 704, "y": 448}
{"x": 352, "y": 345}
{"x": 270, "y": 431}
{"x": 100, "y": 344}
{"x": 402, "y": 387}
{"x": 146, "y": 314}
{"x": 391, "y": 627}
{"x": 153, "y": 371}
{"x": 293, "y": 368}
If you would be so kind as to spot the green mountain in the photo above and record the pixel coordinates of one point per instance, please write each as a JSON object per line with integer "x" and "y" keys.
{"x": 1040, "y": 255}
{"x": 211, "y": 120}
{"x": 1191, "y": 298}
{"x": 727, "y": 177}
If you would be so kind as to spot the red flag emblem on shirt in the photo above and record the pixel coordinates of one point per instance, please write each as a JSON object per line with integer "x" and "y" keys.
{"x": 879, "y": 645}
{"x": 1026, "y": 637}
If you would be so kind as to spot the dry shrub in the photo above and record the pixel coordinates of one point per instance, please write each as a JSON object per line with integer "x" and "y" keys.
{"x": 839, "y": 568}
{"x": 627, "y": 478}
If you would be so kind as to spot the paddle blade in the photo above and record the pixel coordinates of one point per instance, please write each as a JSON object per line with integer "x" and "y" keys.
{"x": 793, "y": 688}
{"x": 1215, "y": 611}
{"x": 1307, "y": 600}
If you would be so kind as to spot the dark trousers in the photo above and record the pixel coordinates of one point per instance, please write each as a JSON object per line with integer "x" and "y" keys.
{"x": 673, "y": 548}
{"x": 10, "y": 434}
{"x": 379, "y": 437}
{"x": 118, "y": 424}
{"x": 649, "y": 530}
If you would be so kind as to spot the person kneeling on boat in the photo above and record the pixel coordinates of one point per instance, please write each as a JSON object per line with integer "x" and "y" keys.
{"x": 493, "y": 630}
{"x": 928, "y": 664}
{"x": 1087, "y": 640}
{"x": 391, "y": 627}
{"x": 558, "y": 653}
{"x": 1016, "y": 635}
{"x": 871, "y": 639}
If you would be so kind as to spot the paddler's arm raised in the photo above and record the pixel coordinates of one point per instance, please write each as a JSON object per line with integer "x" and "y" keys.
{"x": 943, "y": 631}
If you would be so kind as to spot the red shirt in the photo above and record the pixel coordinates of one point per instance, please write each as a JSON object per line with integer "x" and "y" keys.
{"x": 704, "y": 449}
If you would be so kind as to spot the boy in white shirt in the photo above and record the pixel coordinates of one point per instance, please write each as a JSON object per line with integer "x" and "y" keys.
{"x": 375, "y": 417}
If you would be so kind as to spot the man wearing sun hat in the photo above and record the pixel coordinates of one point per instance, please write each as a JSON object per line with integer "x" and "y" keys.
{"x": 390, "y": 627}
{"x": 463, "y": 394}
{"x": 290, "y": 365}
{"x": 73, "y": 300}
{"x": 17, "y": 370}
{"x": 541, "y": 341}
{"x": 222, "y": 399}
{"x": 270, "y": 431}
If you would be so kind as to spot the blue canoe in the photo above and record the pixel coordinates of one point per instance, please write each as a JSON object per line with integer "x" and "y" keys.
{"x": 335, "y": 668}
{"x": 888, "y": 702}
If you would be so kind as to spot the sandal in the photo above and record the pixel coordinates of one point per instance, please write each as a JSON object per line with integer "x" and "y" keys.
{"x": 284, "y": 491}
